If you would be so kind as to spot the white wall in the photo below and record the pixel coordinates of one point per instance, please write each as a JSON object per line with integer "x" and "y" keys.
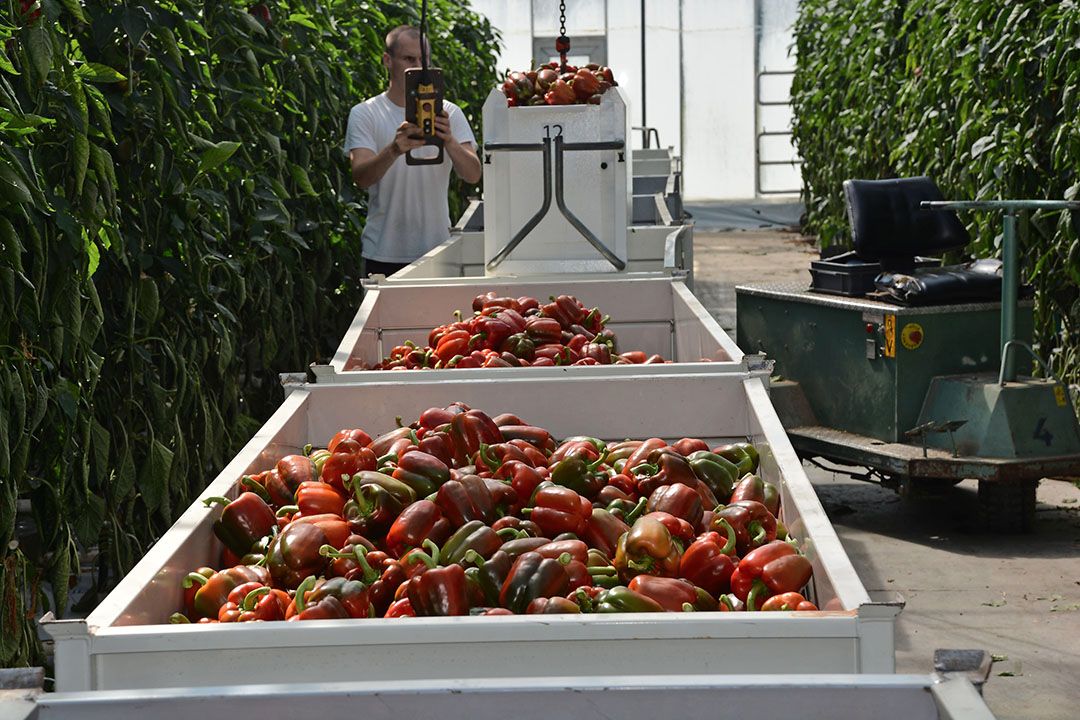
{"x": 704, "y": 107}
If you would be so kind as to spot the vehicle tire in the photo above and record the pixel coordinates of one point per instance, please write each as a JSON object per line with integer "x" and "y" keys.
{"x": 1007, "y": 507}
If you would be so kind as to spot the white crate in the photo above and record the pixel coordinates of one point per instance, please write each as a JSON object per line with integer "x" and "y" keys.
{"x": 660, "y": 249}
{"x": 813, "y": 697}
{"x": 123, "y": 643}
{"x": 655, "y": 314}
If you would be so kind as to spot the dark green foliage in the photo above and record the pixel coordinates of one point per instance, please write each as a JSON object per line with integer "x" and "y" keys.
{"x": 177, "y": 226}
{"x": 981, "y": 96}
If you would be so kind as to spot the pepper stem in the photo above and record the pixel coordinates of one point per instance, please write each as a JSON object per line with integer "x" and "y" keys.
{"x": 249, "y": 483}
{"x": 687, "y": 607}
{"x": 756, "y": 590}
{"x": 301, "y": 590}
{"x": 758, "y": 536}
{"x": 634, "y": 514}
{"x": 193, "y": 578}
{"x": 216, "y": 500}
{"x": 729, "y": 546}
{"x": 178, "y": 619}
{"x": 253, "y": 596}
{"x": 287, "y": 510}
{"x": 510, "y": 533}
{"x": 471, "y": 556}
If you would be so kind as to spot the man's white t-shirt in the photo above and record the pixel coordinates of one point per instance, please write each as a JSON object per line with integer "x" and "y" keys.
{"x": 408, "y": 212}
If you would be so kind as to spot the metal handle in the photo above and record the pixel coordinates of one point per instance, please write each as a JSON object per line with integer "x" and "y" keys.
{"x": 561, "y": 200}
{"x": 545, "y": 148}
{"x": 1031, "y": 352}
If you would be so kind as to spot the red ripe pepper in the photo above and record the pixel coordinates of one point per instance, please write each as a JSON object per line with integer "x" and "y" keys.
{"x": 385, "y": 443}
{"x": 351, "y": 560}
{"x": 335, "y": 527}
{"x": 243, "y": 522}
{"x": 451, "y": 344}
{"x": 673, "y": 594}
{"x": 214, "y": 593}
{"x": 553, "y": 606}
{"x": 751, "y": 487}
{"x": 295, "y": 469}
{"x": 559, "y": 509}
{"x": 435, "y": 416}
{"x": 523, "y": 528}
{"x": 340, "y": 466}
{"x": 648, "y": 549}
{"x": 681, "y": 531}
{"x": 665, "y": 467}
{"x": 787, "y": 574}
{"x": 709, "y": 564}
{"x": 466, "y": 499}
{"x": 543, "y": 330}
{"x": 438, "y": 444}
{"x": 576, "y": 549}
{"x": 439, "y": 592}
{"x": 788, "y": 601}
{"x": 688, "y": 446}
{"x": 191, "y": 584}
{"x": 746, "y": 583}
{"x": 523, "y": 478}
{"x": 317, "y": 498}
{"x": 566, "y": 309}
{"x": 356, "y": 434}
{"x": 352, "y": 594}
{"x": 421, "y": 471}
{"x": 491, "y": 299}
{"x": 539, "y": 438}
{"x": 679, "y": 500}
{"x": 532, "y": 576}
{"x": 641, "y": 454}
{"x": 754, "y": 525}
{"x": 561, "y": 93}
{"x": 600, "y": 352}
{"x": 469, "y": 431}
{"x": 604, "y": 530}
{"x": 634, "y": 357}
{"x": 264, "y": 603}
{"x": 585, "y": 84}
{"x": 400, "y": 608}
{"x": 625, "y": 483}
{"x": 418, "y": 522}
{"x": 294, "y": 554}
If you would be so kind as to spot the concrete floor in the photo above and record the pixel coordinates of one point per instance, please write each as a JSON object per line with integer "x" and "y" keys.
{"x": 1017, "y": 597}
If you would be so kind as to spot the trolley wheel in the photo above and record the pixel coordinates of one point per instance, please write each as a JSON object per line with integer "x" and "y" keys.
{"x": 1007, "y": 507}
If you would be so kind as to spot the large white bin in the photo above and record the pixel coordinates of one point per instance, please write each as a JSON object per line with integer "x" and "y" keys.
{"x": 654, "y": 314}
{"x": 820, "y": 697}
{"x": 123, "y": 643}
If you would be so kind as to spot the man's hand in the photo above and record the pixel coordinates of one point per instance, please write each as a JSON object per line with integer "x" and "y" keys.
{"x": 409, "y": 137}
{"x": 466, "y": 163}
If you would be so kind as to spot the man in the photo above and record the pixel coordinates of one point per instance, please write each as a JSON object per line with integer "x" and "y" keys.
{"x": 408, "y": 212}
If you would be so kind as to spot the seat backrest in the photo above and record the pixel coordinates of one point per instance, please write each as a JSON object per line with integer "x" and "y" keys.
{"x": 887, "y": 222}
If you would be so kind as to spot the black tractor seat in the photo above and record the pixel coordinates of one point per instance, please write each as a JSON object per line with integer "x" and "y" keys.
{"x": 891, "y": 235}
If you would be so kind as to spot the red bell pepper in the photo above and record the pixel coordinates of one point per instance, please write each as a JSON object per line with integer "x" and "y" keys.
{"x": 532, "y": 576}
{"x": 466, "y": 499}
{"x": 317, "y": 498}
{"x": 604, "y": 530}
{"x": 400, "y": 608}
{"x": 688, "y": 446}
{"x": 552, "y": 606}
{"x": 679, "y": 500}
{"x": 558, "y": 509}
{"x": 648, "y": 549}
{"x": 681, "y": 531}
{"x": 788, "y": 601}
{"x": 670, "y": 469}
{"x": 243, "y": 522}
{"x": 341, "y": 466}
{"x": 418, "y": 522}
{"x": 294, "y": 554}
{"x": 351, "y": 594}
{"x": 471, "y": 429}
{"x": 523, "y": 478}
{"x": 751, "y": 487}
{"x": 641, "y": 454}
{"x": 264, "y": 603}
{"x": 754, "y": 525}
{"x": 439, "y": 592}
{"x": 421, "y": 471}
{"x": 214, "y": 593}
{"x": 709, "y": 563}
{"x": 191, "y": 584}
{"x": 672, "y": 594}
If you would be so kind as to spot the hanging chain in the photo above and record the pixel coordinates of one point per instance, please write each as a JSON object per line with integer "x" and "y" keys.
{"x": 562, "y": 43}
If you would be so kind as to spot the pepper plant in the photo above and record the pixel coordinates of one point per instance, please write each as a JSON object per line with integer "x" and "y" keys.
{"x": 177, "y": 226}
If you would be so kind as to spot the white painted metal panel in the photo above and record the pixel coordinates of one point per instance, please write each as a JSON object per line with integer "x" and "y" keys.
{"x": 652, "y": 249}
{"x": 120, "y": 646}
{"x": 655, "y": 314}
{"x": 597, "y": 184}
{"x": 635, "y": 697}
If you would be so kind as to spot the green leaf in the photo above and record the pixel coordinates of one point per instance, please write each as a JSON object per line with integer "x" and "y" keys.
{"x": 154, "y": 479}
{"x": 40, "y": 51}
{"x": 96, "y": 72}
{"x": 300, "y": 177}
{"x": 101, "y": 441}
{"x": 303, "y": 19}
{"x": 73, "y": 7}
{"x": 125, "y": 476}
{"x": 93, "y": 258}
{"x": 88, "y": 520}
{"x": 217, "y": 155}
{"x": 251, "y": 24}
{"x": 12, "y": 188}
{"x": 5, "y": 63}
{"x": 80, "y": 147}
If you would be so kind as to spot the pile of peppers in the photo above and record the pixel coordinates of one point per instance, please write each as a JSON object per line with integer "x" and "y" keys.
{"x": 517, "y": 332}
{"x": 460, "y": 513}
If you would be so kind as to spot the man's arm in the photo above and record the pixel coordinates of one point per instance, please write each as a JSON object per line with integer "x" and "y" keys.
{"x": 462, "y": 155}
{"x": 368, "y": 167}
